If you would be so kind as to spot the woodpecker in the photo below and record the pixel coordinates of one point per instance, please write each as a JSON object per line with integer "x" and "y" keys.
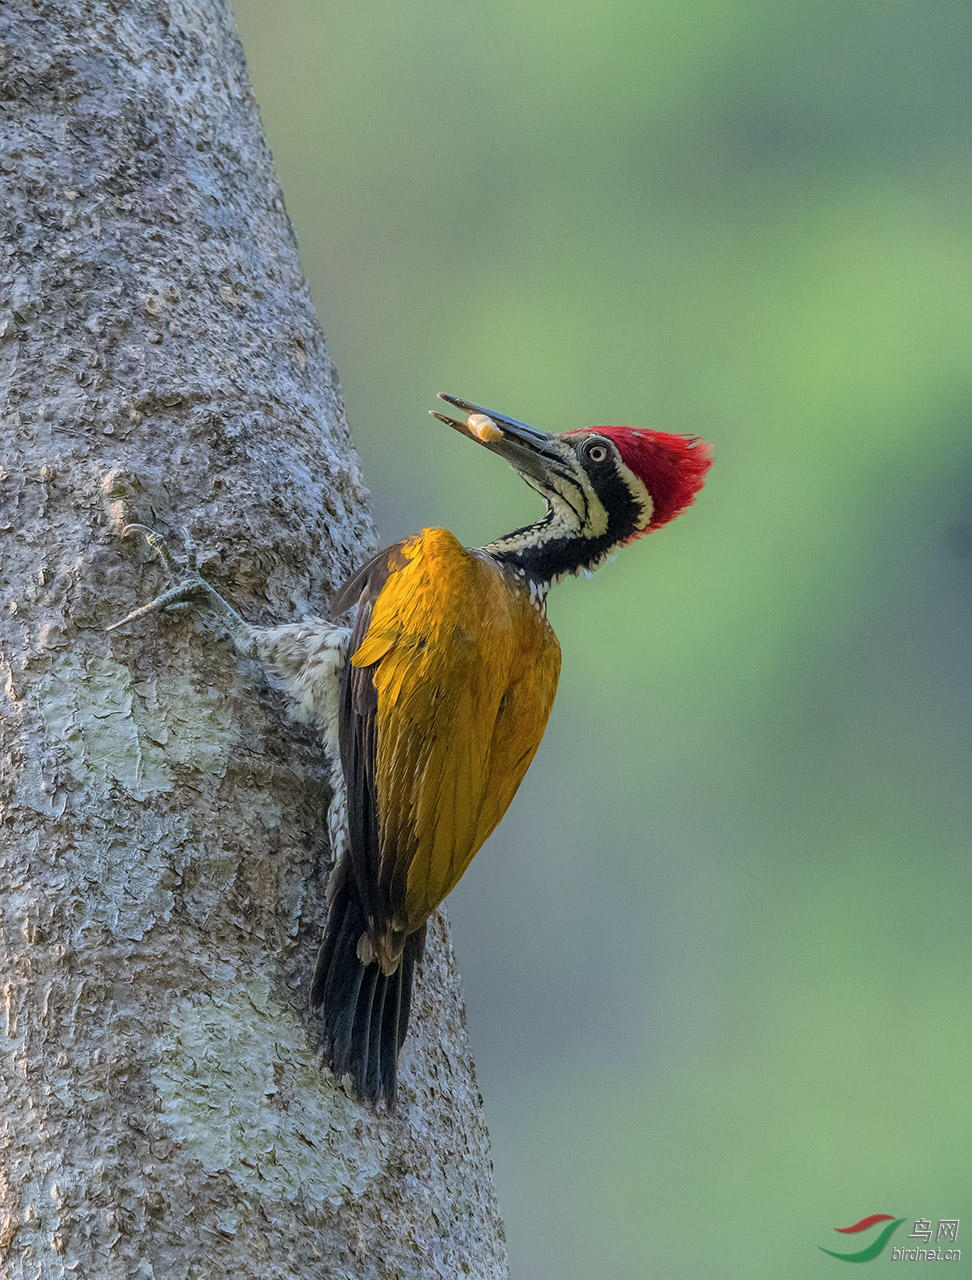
{"x": 432, "y": 704}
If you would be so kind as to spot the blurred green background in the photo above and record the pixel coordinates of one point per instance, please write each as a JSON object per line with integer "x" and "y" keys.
{"x": 717, "y": 957}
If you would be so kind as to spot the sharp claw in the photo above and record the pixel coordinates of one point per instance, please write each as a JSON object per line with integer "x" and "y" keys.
{"x": 115, "y": 625}
{"x": 136, "y": 613}
{"x": 178, "y": 594}
{"x": 188, "y": 581}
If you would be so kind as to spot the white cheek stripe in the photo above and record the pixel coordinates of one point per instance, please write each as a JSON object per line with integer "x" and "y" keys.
{"x": 590, "y": 522}
{"x": 640, "y": 494}
{"x": 597, "y": 518}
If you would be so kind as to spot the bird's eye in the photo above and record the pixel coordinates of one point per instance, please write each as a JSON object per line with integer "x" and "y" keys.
{"x": 595, "y": 451}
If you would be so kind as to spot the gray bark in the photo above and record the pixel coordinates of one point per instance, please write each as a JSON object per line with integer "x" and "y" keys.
{"x": 163, "y": 860}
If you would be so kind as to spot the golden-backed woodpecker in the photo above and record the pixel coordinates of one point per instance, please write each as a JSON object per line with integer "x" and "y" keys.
{"x": 432, "y": 704}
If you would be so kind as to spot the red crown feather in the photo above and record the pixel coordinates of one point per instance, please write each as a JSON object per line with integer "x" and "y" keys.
{"x": 672, "y": 468}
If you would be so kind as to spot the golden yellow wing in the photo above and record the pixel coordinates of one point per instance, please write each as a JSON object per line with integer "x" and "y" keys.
{"x": 453, "y": 674}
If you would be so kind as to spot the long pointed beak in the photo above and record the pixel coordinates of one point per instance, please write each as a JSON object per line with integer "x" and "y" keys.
{"x": 525, "y": 448}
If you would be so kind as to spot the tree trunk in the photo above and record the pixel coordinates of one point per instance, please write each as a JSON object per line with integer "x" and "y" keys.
{"x": 163, "y": 855}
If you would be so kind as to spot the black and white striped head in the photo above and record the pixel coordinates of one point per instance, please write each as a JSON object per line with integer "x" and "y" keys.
{"x": 603, "y": 486}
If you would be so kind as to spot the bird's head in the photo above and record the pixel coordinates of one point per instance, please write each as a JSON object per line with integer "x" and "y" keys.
{"x": 604, "y": 486}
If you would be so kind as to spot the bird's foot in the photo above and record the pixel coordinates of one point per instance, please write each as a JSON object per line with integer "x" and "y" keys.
{"x": 187, "y": 581}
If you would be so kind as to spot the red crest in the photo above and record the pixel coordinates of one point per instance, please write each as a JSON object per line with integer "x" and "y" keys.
{"x": 672, "y": 468}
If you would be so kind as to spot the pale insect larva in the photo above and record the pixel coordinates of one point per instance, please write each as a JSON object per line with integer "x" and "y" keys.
{"x": 483, "y": 428}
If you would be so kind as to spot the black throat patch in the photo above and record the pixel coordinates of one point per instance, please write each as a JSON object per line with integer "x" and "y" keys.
{"x": 545, "y": 552}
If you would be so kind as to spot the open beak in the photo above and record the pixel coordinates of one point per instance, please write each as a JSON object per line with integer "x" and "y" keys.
{"x": 526, "y": 449}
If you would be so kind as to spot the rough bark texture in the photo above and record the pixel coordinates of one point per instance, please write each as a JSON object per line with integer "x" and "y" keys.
{"x": 163, "y": 860}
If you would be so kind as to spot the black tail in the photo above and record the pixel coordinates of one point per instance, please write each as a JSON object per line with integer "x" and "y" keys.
{"x": 365, "y": 1013}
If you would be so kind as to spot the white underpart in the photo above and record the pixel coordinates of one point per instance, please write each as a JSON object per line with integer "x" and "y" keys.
{"x": 306, "y": 659}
